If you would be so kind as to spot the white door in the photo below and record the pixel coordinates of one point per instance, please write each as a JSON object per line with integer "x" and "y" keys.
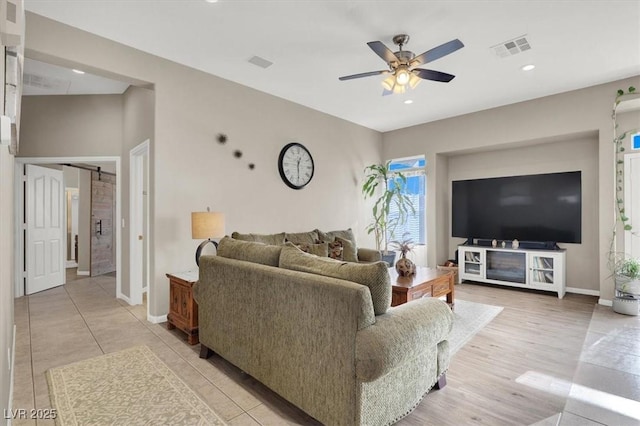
{"x": 45, "y": 228}
{"x": 632, "y": 204}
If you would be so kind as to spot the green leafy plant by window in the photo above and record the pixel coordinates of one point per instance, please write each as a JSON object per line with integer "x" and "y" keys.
{"x": 388, "y": 187}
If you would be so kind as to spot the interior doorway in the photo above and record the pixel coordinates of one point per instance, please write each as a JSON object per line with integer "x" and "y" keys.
{"x": 20, "y": 212}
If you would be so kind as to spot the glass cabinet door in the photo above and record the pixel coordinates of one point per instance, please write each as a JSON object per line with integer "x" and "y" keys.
{"x": 541, "y": 269}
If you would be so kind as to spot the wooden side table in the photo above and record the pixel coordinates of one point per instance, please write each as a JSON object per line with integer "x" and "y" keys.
{"x": 427, "y": 282}
{"x": 183, "y": 310}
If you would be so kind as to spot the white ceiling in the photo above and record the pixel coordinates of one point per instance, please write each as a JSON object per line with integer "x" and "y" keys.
{"x": 574, "y": 44}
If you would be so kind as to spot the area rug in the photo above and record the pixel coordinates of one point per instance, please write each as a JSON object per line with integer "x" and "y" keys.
{"x": 129, "y": 387}
{"x": 469, "y": 319}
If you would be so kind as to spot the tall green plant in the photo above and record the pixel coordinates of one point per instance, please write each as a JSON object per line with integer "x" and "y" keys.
{"x": 618, "y": 260}
{"x": 379, "y": 180}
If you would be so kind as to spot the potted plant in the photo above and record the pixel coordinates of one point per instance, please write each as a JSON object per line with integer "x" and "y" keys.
{"x": 404, "y": 266}
{"x": 388, "y": 187}
{"x": 627, "y": 277}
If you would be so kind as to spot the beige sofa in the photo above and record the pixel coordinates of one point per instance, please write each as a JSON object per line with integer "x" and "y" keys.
{"x": 320, "y": 332}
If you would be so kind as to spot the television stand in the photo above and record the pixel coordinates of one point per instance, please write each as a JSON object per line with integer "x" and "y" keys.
{"x": 523, "y": 268}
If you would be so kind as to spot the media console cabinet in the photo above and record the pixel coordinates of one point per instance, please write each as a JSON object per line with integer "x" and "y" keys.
{"x": 524, "y": 268}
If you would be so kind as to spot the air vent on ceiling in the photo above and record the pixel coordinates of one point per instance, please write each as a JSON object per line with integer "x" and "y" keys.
{"x": 46, "y": 83}
{"x": 512, "y": 47}
{"x": 261, "y": 62}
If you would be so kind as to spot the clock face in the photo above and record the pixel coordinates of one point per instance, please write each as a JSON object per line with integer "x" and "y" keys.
{"x": 295, "y": 165}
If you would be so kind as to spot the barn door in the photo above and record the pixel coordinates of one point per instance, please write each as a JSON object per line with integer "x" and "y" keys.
{"x": 103, "y": 243}
{"x": 45, "y": 228}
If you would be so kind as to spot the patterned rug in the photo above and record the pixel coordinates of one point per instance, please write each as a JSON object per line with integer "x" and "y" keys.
{"x": 469, "y": 319}
{"x": 129, "y": 387}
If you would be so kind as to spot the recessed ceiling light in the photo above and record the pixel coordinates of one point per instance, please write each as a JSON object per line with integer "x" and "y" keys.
{"x": 528, "y": 67}
{"x": 408, "y": 101}
{"x": 211, "y": 1}
{"x": 78, "y": 71}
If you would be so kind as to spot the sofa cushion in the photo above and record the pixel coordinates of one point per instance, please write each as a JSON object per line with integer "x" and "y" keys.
{"x": 347, "y": 234}
{"x": 271, "y": 239}
{"x": 249, "y": 251}
{"x": 320, "y": 249}
{"x": 302, "y": 237}
{"x": 373, "y": 275}
{"x": 349, "y": 249}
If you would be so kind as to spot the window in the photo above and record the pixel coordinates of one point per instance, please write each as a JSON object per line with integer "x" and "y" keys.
{"x": 413, "y": 169}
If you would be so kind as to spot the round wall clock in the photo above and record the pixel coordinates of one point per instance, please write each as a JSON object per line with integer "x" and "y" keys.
{"x": 295, "y": 165}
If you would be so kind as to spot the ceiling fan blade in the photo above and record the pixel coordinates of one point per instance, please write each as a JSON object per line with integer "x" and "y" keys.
{"x": 383, "y": 51}
{"x": 437, "y": 52}
{"x": 433, "y": 75}
{"x": 363, "y": 74}
{"x": 386, "y": 92}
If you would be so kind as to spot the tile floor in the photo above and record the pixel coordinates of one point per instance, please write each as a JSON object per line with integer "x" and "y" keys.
{"x": 83, "y": 319}
{"x": 606, "y": 385}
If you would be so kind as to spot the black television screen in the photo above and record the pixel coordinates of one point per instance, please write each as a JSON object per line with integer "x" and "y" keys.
{"x": 544, "y": 207}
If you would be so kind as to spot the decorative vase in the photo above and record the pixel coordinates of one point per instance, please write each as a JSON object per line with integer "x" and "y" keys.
{"x": 504, "y": 244}
{"x": 515, "y": 244}
{"x": 405, "y": 267}
{"x": 494, "y": 243}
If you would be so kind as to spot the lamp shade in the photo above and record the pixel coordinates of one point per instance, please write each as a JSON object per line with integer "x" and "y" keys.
{"x": 207, "y": 225}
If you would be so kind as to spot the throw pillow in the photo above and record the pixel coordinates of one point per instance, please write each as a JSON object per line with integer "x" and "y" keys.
{"x": 335, "y": 250}
{"x": 349, "y": 250}
{"x": 249, "y": 251}
{"x": 271, "y": 239}
{"x": 320, "y": 249}
{"x": 347, "y": 234}
{"x": 302, "y": 237}
{"x": 373, "y": 275}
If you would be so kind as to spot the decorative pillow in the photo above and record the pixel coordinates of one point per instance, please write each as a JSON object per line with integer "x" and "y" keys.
{"x": 349, "y": 250}
{"x": 373, "y": 275}
{"x": 347, "y": 234}
{"x": 249, "y": 251}
{"x": 271, "y": 239}
{"x": 302, "y": 237}
{"x": 335, "y": 250}
{"x": 320, "y": 249}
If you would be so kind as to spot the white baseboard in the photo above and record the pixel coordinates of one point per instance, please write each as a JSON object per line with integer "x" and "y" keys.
{"x": 71, "y": 264}
{"x": 11, "y": 373}
{"x": 125, "y": 298}
{"x": 583, "y": 291}
{"x": 605, "y": 302}
{"x": 87, "y": 273}
{"x": 156, "y": 320}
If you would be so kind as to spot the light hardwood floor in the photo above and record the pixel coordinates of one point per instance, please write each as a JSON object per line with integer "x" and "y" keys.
{"x": 535, "y": 332}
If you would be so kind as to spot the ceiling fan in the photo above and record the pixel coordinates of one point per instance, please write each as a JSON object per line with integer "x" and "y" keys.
{"x": 403, "y": 63}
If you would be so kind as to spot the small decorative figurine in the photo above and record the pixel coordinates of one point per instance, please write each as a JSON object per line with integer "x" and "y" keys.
{"x": 515, "y": 244}
{"x": 504, "y": 244}
{"x": 494, "y": 243}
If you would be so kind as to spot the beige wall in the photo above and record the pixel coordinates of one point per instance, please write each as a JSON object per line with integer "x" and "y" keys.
{"x": 71, "y": 126}
{"x": 191, "y": 171}
{"x": 580, "y": 154}
{"x": 549, "y": 119}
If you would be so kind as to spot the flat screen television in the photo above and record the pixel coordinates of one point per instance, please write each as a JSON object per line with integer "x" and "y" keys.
{"x": 543, "y": 207}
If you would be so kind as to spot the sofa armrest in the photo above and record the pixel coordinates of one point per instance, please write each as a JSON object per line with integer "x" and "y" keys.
{"x": 368, "y": 255}
{"x": 400, "y": 334}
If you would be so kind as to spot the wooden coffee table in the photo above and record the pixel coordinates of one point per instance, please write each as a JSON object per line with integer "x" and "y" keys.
{"x": 427, "y": 282}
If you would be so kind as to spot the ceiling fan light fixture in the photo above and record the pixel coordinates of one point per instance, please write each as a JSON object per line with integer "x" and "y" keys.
{"x": 399, "y": 89}
{"x": 402, "y": 76}
{"x": 414, "y": 80}
{"x": 389, "y": 82}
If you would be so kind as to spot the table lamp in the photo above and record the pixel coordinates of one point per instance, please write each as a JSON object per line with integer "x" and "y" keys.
{"x": 206, "y": 225}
